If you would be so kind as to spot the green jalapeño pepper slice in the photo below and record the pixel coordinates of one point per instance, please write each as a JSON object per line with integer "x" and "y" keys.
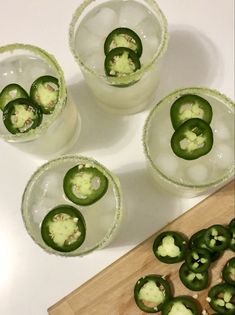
{"x": 194, "y": 281}
{"x": 121, "y": 62}
{"x": 10, "y": 93}
{"x": 63, "y": 228}
{"x": 170, "y": 247}
{"x": 217, "y": 237}
{"x": 190, "y": 106}
{"x": 183, "y": 305}
{"x": 231, "y": 228}
{"x": 151, "y": 292}
{"x": 44, "y": 92}
{"x": 221, "y": 298}
{"x": 228, "y": 272}
{"x": 21, "y": 115}
{"x": 123, "y": 37}
{"x": 198, "y": 259}
{"x": 85, "y": 184}
{"x": 193, "y": 139}
{"x": 197, "y": 240}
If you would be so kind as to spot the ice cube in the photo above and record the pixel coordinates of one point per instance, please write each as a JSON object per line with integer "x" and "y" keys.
{"x": 96, "y": 62}
{"x": 87, "y": 42}
{"x": 131, "y": 14}
{"x": 198, "y": 173}
{"x": 102, "y": 22}
{"x": 222, "y": 131}
{"x": 167, "y": 164}
{"x": 223, "y": 156}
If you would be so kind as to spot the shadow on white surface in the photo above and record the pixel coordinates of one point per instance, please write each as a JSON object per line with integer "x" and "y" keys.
{"x": 99, "y": 128}
{"x": 147, "y": 208}
{"x": 189, "y": 61}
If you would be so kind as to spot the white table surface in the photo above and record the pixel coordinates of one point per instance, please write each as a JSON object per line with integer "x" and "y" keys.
{"x": 201, "y": 53}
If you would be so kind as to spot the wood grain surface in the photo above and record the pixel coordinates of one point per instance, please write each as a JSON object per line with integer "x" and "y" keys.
{"x": 111, "y": 291}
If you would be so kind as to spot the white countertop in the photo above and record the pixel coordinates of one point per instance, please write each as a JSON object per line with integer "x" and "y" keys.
{"x": 201, "y": 53}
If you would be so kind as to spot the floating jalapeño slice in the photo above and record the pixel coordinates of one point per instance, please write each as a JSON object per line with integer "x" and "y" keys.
{"x": 221, "y": 298}
{"x": 194, "y": 281}
{"x": 169, "y": 247}
{"x": 11, "y": 92}
{"x": 63, "y": 228}
{"x": 193, "y": 139}
{"x": 21, "y": 115}
{"x": 151, "y": 292}
{"x": 44, "y": 92}
{"x": 190, "y": 106}
{"x": 123, "y": 37}
{"x": 198, "y": 259}
{"x": 85, "y": 184}
{"x": 120, "y": 62}
{"x": 182, "y": 304}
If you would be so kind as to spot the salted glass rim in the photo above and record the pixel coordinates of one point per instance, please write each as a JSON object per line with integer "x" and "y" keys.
{"x": 170, "y": 98}
{"x": 53, "y": 163}
{"x": 135, "y": 75}
{"x": 62, "y": 97}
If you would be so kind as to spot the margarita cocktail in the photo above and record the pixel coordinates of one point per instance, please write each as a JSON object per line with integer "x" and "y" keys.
{"x": 119, "y": 46}
{"x": 189, "y": 141}
{"x": 72, "y": 205}
{"x": 35, "y": 112}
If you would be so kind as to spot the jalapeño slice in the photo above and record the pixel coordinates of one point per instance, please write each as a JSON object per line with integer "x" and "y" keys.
{"x": 123, "y": 37}
{"x": 63, "y": 228}
{"x": 190, "y": 106}
{"x": 85, "y": 184}
{"x": 228, "y": 272}
{"x": 10, "y": 93}
{"x": 170, "y": 247}
{"x": 231, "y": 228}
{"x": 217, "y": 237}
{"x": 221, "y": 298}
{"x": 198, "y": 259}
{"x": 151, "y": 292}
{"x": 44, "y": 92}
{"x": 194, "y": 281}
{"x": 183, "y": 305}
{"x": 197, "y": 240}
{"x": 21, "y": 115}
{"x": 193, "y": 139}
{"x": 121, "y": 62}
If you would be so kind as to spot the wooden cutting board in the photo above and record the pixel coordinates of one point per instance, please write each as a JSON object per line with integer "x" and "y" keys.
{"x": 111, "y": 291}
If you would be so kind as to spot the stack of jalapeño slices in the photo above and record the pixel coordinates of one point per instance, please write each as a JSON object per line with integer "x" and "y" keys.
{"x": 22, "y": 111}
{"x": 64, "y": 227}
{"x": 191, "y": 116}
{"x": 123, "y": 49}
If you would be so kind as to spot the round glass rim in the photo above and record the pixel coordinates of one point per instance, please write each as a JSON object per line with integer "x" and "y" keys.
{"x": 171, "y": 98}
{"x": 117, "y": 194}
{"x": 135, "y": 75}
{"x": 62, "y": 98}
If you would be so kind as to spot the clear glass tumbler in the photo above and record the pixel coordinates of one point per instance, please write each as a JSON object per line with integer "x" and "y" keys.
{"x": 45, "y": 191}
{"x": 22, "y": 64}
{"x": 200, "y": 175}
{"x": 91, "y": 23}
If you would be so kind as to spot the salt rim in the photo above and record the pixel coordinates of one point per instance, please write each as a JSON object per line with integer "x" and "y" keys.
{"x": 171, "y": 98}
{"x": 62, "y": 98}
{"x": 135, "y": 75}
{"x": 77, "y": 159}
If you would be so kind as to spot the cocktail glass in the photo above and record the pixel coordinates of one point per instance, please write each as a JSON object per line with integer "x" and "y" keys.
{"x": 91, "y": 23}
{"x": 44, "y": 191}
{"x": 22, "y": 64}
{"x": 190, "y": 177}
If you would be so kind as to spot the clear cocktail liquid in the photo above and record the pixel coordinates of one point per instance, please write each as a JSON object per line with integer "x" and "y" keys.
{"x": 208, "y": 170}
{"x": 23, "y": 69}
{"x": 88, "y": 43}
